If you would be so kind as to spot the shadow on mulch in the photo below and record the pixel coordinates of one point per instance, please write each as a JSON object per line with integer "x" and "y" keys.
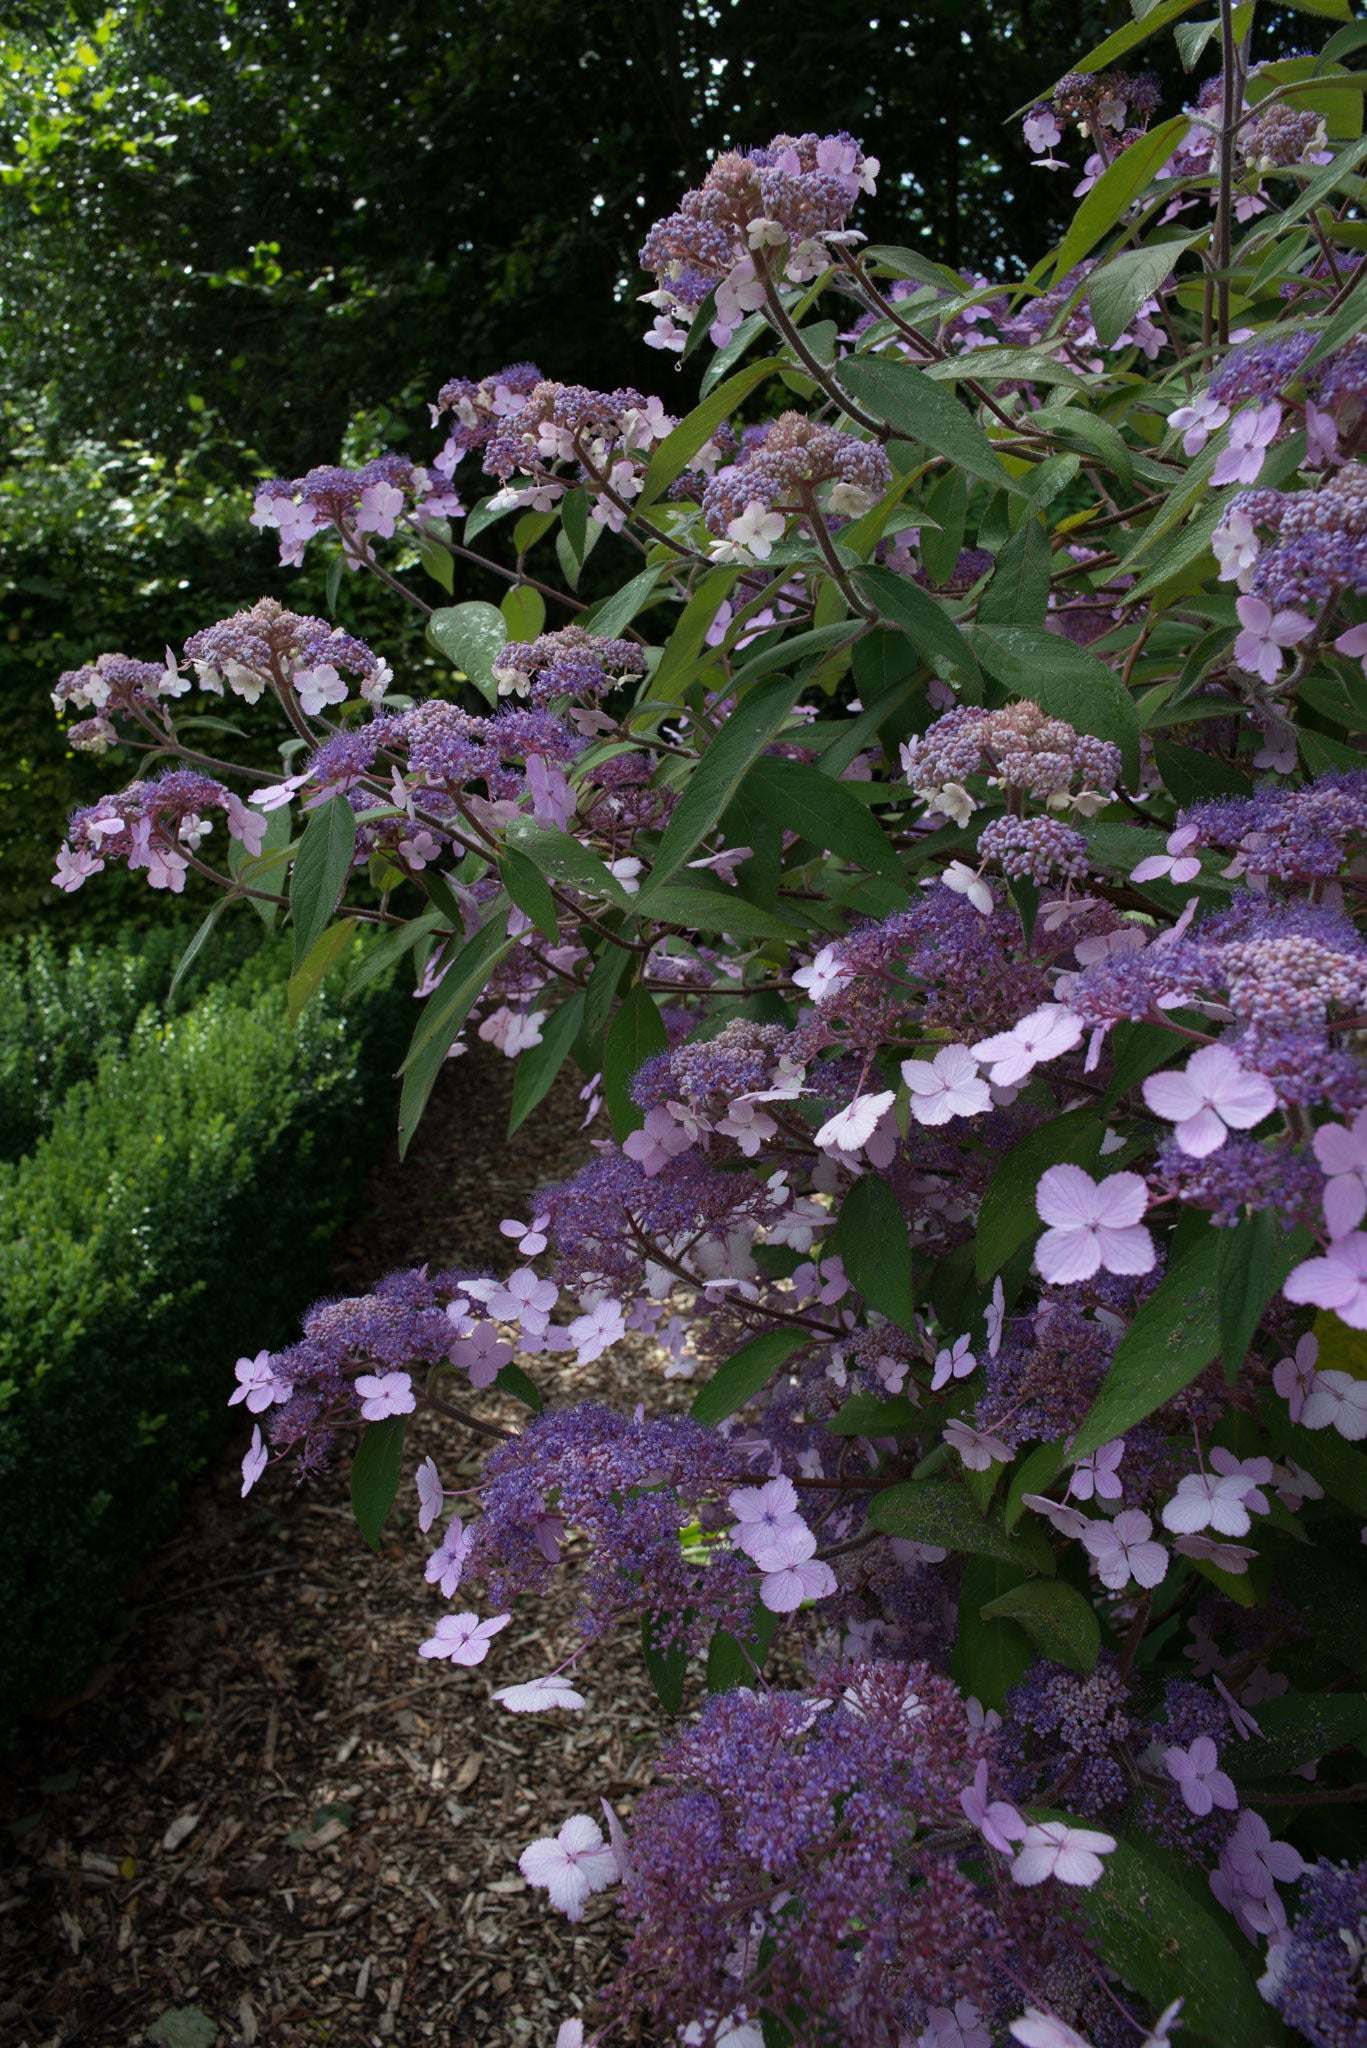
{"x": 265, "y": 1820}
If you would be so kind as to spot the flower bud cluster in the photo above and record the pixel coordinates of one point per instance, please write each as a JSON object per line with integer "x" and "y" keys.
{"x": 353, "y": 502}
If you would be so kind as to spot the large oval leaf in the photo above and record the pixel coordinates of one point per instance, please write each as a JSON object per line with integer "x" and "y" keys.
{"x": 1065, "y": 681}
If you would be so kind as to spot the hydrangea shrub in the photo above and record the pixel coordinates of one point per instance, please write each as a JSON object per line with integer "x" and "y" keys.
{"x": 943, "y": 858}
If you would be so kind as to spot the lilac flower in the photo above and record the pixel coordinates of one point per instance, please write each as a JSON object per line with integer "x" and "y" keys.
{"x": 258, "y": 1384}
{"x": 255, "y": 1461}
{"x": 1342, "y": 1151}
{"x": 1340, "y": 1400}
{"x": 955, "y": 1362}
{"x": 1250, "y": 435}
{"x": 947, "y": 1086}
{"x": 1068, "y": 1521}
{"x": 431, "y": 1494}
{"x": 1122, "y": 1551}
{"x": 1098, "y": 1473}
{"x": 824, "y": 977}
{"x": 791, "y": 1574}
{"x": 1036, "y": 2029}
{"x": 1198, "y": 421}
{"x": 661, "y": 1138}
{"x": 1176, "y": 865}
{"x": 1093, "y": 1227}
{"x": 526, "y": 1299}
{"x": 570, "y": 2033}
{"x": 996, "y": 1820}
{"x": 1044, "y": 1035}
{"x": 531, "y": 1236}
{"x": 1199, "y": 1780}
{"x": 850, "y": 1129}
{"x": 1041, "y": 130}
{"x": 594, "y": 1332}
{"x": 1208, "y": 1501}
{"x": 1212, "y": 1095}
{"x": 570, "y": 1866}
{"x": 763, "y": 1513}
{"x": 482, "y": 1353}
{"x": 1053, "y": 1849}
{"x": 464, "y": 1638}
{"x": 539, "y": 1695}
{"x": 978, "y": 1449}
{"x": 1226, "y": 1557}
{"x": 994, "y": 1316}
{"x": 385, "y": 1394}
{"x": 959, "y": 2027}
{"x": 1259, "y": 1863}
{"x": 1338, "y": 1281}
{"x": 1266, "y": 636}
{"x": 446, "y": 1563}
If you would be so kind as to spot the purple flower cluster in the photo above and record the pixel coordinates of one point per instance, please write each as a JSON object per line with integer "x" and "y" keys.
{"x": 477, "y": 408}
{"x": 157, "y": 826}
{"x": 571, "y": 663}
{"x": 798, "y": 457}
{"x": 1321, "y": 545}
{"x": 1034, "y": 849}
{"x": 1291, "y": 835}
{"x": 1019, "y": 747}
{"x": 354, "y": 502}
{"x": 1315, "y": 1976}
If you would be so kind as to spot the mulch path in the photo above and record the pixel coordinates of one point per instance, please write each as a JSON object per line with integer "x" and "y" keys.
{"x": 265, "y": 1820}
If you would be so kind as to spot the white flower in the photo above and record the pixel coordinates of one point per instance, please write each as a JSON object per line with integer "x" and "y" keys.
{"x": 570, "y": 1866}
{"x": 1044, "y": 1035}
{"x": 1053, "y": 1849}
{"x": 538, "y": 1695}
{"x": 965, "y": 881}
{"x": 947, "y": 1086}
{"x": 756, "y": 529}
{"x": 850, "y": 1129}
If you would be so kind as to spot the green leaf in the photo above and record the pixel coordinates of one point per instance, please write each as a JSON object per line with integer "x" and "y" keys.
{"x": 673, "y": 455}
{"x": 1297, "y": 1729}
{"x": 445, "y": 1010}
{"x": 600, "y": 991}
{"x": 1018, "y": 593}
{"x": 1065, "y": 681}
{"x": 1344, "y": 324}
{"x": 378, "y": 955}
{"x": 947, "y": 504}
{"x": 539, "y": 1065}
{"x": 484, "y": 514}
{"x": 1098, "y": 437}
{"x": 1173, "y": 1338}
{"x": 196, "y": 946}
{"x": 700, "y": 907}
{"x": 1008, "y": 1216}
{"x": 1122, "y": 181}
{"x": 921, "y": 617}
{"x": 615, "y": 613}
{"x": 471, "y": 636}
{"x": 685, "y": 643}
{"x": 1147, "y": 21}
{"x": 989, "y": 1657}
{"x": 872, "y": 1239}
{"x": 730, "y": 1662}
{"x": 511, "y": 1379}
{"x": 184, "y": 2026}
{"x": 719, "y": 774}
{"x": 939, "y": 1511}
{"x": 574, "y": 522}
{"x": 803, "y": 800}
{"x": 924, "y": 411}
{"x": 744, "y": 1374}
{"x": 991, "y": 365}
{"x": 1118, "y": 288}
{"x": 559, "y": 854}
{"x": 1059, "y": 1621}
{"x": 667, "y": 1668}
{"x": 524, "y": 611}
{"x": 320, "y": 872}
{"x": 436, "y": 560}
{"x": 870, "y": 1414}
{"x": 1253, "y": 1260}
{"x": 1138, "y": 1051}
{"x": 1164, "y": 1941}
{"x": 308, "y": 979}
{"x": 376, "y": 1471}
{"x": 635, "y": 1035}
{"x": 528, "y": 888}
{"x": 1340, "y": 1470}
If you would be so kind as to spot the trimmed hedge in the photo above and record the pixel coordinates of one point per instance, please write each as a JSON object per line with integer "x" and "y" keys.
{"x": 177, "y": 1213}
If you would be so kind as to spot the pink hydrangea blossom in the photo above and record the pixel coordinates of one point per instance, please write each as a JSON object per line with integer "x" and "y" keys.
{"x": 1251, "y": 434}
{"x": 791, "y": 1573}
{"x": 955, "y": 1362}
{"x": 1338, "y": 1281}
{"x": 526, "y": 1299}
{"x": 979, "y": 1449}
{"x": 1266, "y": 635}
{"x": 431, "y": 1494}
{"x": 570, "y": 1866}
{"x": 385, "y": 1394}
{"x": 1208, "y": 1500}
{"x": 539, "y": 1696}
{"x": 594, "y": 1332}
{"x": 1036, "y": 2029}
{"x": 463, "y": 1638}
{"x": 531, "y": 1237}
{"x": 850, "y": 1129}
{"x": 1294, "y": 1377}
{"x": 1341, "y": 1150}
{"x": 762, "y": 1514}
{"x": 446, "y": 1563}
{"x": 824, "y": 976}
{"x": 1337, "y": 1400}
{"x": 1044, "y": 1035}
{"x": 1092, "y": 1227}
{"x": 1053, "y": 1849}
{"x": 947, "y": 1086}
{"x": 1208, "y": 1098}
{"x": 1099, "y": 1473}
{"x": 1198, "y": 421}
{"x": 1198, "y": 1777}
{"x": 660, "y": 1139}
{"x": 1176, "y": 865}
{"x": 258, "y": 1384}
{"x": 1068, "y": 1521}
{"x": 1122, "y": 1551}
{"x": 996, "y": 1820}
{"x": 255, "y": 1461}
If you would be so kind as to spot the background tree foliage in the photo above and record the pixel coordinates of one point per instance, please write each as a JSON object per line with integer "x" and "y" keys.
{"x": 229, "y": 228}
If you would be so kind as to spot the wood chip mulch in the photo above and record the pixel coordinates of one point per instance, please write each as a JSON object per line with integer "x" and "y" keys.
{"x": 265, "y": 1819}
